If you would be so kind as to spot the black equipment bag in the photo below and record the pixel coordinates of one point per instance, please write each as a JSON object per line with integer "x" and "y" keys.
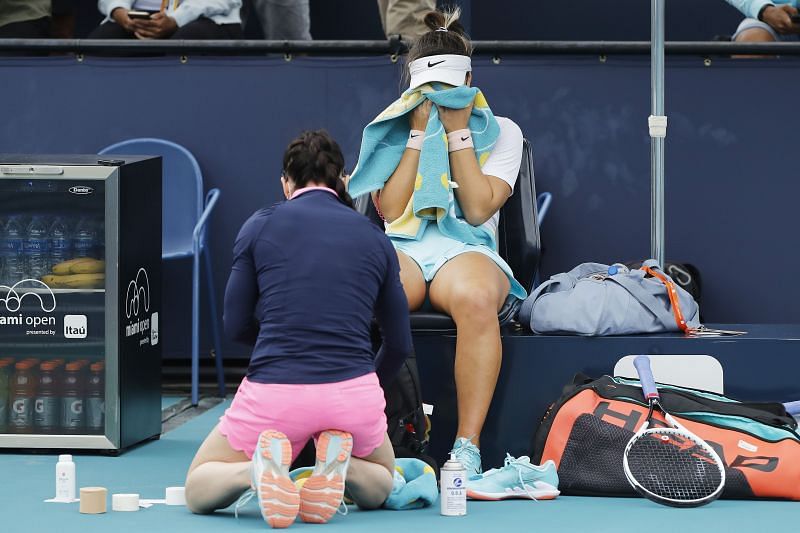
{"x": 407, "y": 425}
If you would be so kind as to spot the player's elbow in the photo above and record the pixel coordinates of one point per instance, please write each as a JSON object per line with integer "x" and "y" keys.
{"x": 477, "y": 215}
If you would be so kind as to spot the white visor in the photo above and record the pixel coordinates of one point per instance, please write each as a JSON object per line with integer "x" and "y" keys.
{"x": 446, "y": 68}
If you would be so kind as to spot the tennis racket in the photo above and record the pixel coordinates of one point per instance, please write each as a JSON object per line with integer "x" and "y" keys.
{"x": 670, "y": 465}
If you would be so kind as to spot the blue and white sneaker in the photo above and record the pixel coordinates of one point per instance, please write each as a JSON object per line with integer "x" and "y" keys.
{"x": 517, "y": 479}
{"x": 468, "y": 455}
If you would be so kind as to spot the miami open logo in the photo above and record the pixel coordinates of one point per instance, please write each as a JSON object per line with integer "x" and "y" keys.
{"x": 39, "y": 302}
{"x": 138, "y": 295}
{"x": 137, "y": 301}
{"x": 13, "y": 297}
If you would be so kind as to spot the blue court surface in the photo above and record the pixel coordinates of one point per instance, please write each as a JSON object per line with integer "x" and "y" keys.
{"x": 169, "y": 401}
{"x": 27, "y": 480}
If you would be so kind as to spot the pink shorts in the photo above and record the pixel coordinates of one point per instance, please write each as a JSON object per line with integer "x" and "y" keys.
{"x": 304, "y": 411}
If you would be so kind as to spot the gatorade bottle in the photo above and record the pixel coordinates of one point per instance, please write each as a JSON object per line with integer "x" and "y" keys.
{"x": 46, "y": 407}
{"x": 72, "y": 416}
{"x": 23, "y": 393}
{"x": 5, "y": 378}
{"x": 95, "y": 398}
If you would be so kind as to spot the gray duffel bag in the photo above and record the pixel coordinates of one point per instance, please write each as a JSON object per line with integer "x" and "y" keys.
{"x": 594, "y": 299}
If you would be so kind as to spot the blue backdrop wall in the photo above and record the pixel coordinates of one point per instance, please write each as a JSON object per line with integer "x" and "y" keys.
{"x": 731, "y": 192}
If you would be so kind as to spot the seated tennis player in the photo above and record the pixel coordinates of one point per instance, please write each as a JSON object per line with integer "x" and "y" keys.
{"x": 308, "y": 276}
{"x": 440, "y": 166}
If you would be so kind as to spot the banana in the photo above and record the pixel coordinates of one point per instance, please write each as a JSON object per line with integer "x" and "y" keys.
{"x": 84, "y": 281}
{"x": 81, "y": 265}
{"x": 63, "y": 268}
{"x": 54, "y": 282}
{"x": 93, "y": 266}
{"x": 75, "y": 281}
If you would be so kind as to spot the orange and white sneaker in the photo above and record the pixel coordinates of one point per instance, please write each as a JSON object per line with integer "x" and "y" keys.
{"x": 323, "y": 491}
{"x": 278, "y": 497}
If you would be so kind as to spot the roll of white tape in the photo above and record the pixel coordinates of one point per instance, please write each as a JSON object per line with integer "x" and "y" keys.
{"x": 125, "y": 502}
{"x": 175, "y": 496}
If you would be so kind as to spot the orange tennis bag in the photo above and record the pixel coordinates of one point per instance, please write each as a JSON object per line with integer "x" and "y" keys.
{"x": 586, "y": 430}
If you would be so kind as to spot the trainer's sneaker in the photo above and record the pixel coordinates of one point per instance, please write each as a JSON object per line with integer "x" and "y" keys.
{"x": 517, "y": 479}
{"x": 323, "y": 491}
{"x": 468, "y": 455}
{"x": 277, "y": 494}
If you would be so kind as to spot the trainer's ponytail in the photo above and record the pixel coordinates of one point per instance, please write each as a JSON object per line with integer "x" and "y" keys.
{"x": 314, "y": 157}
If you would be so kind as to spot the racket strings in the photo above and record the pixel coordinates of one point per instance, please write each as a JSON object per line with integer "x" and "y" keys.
{"x": 673, "y": 467}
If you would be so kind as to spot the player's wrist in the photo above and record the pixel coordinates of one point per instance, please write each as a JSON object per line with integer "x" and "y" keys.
{"x": 459, "y": 140}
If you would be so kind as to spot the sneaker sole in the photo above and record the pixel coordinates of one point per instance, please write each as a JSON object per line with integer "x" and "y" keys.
{"x": 277, "y": 493}
{"x": 539, "y": 494}
{"x": 323, "y": 491}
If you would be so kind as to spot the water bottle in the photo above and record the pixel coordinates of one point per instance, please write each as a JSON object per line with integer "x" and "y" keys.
{"x": 84, "y": 240}
{"x": 11, "y": 249}
{"x": 2, "y": 243}
{"x": 101, "y": 239}
{"x": 35, "y": 248}
{"x": 452, "y": 481}
{"x": 60, "y": 242}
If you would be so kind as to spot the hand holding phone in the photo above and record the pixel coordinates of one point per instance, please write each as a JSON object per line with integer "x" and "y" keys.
{"x": 138, "y": 15}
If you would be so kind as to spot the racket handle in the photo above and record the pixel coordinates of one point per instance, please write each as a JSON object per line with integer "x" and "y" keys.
{"x": 642, "y": 364}
{"x": 793, "y": 408}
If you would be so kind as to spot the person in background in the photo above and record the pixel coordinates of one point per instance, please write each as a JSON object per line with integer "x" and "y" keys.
{"x": 62, "y": 25}
{"x": 284, "y": 20}
{"x": 405, "y": 17}
{"x": 25, "y": 19}
{"x": 308, "y": 276}
{"x": 170, "y": 19}
{"x": 767, "y": 20}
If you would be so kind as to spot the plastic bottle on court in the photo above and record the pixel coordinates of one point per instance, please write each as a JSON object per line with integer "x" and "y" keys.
{"x": 46, "y": 408}
{"x": 84, "y": 241}
{"x": 452, "y": 481}
{"x": 35, "y": 248}
{"x": 73, "y": 417}
{"x": 65, "y": 478}
{"x": 11, "y": 239}
{"x": 22, "y": 397}
{"x": 60, "y": 239}
{"x": 95, "y": 398}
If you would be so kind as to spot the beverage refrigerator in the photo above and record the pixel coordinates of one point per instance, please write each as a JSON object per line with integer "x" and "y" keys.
{"x": 80, "y": 294}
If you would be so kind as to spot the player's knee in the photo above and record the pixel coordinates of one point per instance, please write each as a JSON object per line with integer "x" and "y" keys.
{"x": 474, "y": 303}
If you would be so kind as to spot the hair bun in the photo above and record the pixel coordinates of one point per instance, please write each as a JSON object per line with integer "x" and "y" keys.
{"x": 435, "y": 20}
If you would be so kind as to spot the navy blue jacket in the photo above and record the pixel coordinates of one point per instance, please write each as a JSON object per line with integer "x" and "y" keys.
{"x": 308, "y": 276}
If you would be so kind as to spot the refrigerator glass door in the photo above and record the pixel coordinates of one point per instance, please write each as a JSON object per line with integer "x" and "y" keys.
{"x": 53, "y": 279}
